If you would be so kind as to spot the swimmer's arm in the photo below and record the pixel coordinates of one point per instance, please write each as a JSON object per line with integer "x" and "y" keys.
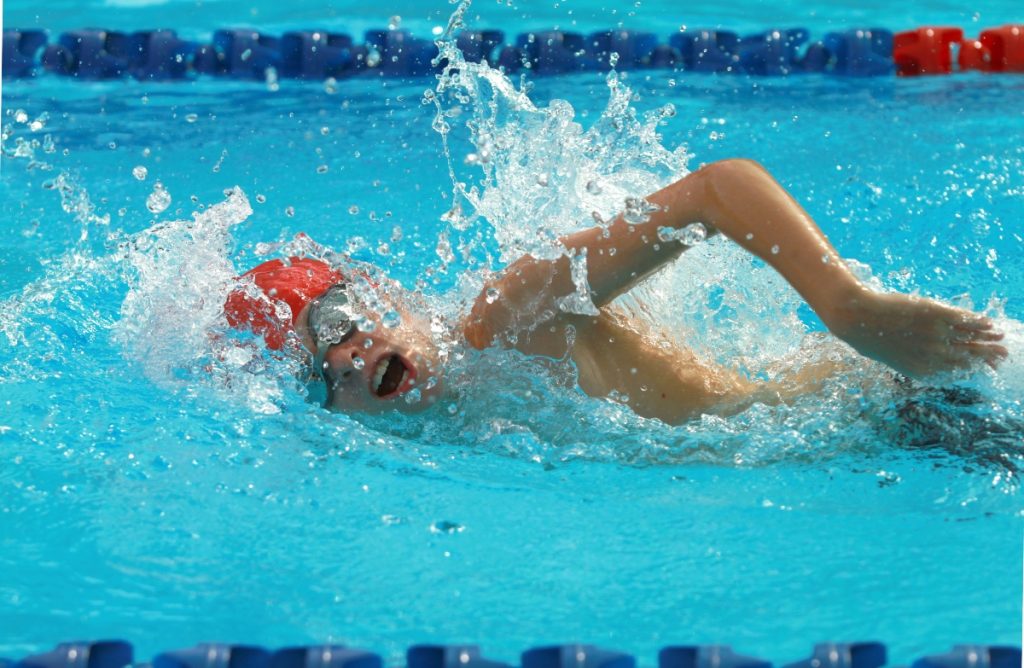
{"x": 735, "y": 197}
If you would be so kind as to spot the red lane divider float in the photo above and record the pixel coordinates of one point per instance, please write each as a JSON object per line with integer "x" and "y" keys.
{"x": 929, "y": 50}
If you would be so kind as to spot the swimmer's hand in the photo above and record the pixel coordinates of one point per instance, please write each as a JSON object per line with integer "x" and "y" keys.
{"x": 915, "y": 336}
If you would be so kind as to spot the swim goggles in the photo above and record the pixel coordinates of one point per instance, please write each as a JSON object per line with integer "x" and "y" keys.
{"x": 331, "y": 323}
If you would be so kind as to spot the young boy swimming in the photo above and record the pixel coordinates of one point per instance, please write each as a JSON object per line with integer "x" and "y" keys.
{"x": 370, "y": 368}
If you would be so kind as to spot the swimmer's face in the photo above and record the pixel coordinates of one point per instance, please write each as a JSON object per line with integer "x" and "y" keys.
{"x": 397, "y": 368}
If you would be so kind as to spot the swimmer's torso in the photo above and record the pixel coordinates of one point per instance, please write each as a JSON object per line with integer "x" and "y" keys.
{"x": 621, "y": 358}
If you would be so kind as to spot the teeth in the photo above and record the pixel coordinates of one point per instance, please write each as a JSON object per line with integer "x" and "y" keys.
{"x": 378, "y": 373}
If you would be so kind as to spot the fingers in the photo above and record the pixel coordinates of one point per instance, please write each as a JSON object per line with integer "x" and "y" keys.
{"x": 990, "y": 353}
{"x": 973, "y": 322}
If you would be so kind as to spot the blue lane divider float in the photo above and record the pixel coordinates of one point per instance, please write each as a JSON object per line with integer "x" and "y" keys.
{"x": 118, "y": 654}
{"x": 844, "y": 655}
{"x": 316, "y": 55}
{"x": 449, "y": 656}
{"x": 707, "y": 656}
{"x": 101, "y": 654}
{"x": 973, "y": 656}
{"x": 575, "y": 656}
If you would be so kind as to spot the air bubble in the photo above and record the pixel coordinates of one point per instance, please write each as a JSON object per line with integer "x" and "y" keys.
{"x": 594, "y": 188}
{"x": 20, "y": 116}
{"x": 159, "y": 199}
{"x": 289, "y": 211}
{"x": 261, "y": 198}
{"x": 391, "y": 319}
{"x": 492, "y": 295}
{"x": 140, "y": 172}
{"x": 353, "y": 209}
{"x": 358, "y": 363}
{"x": 413, "y": 396}
{"x": 191, "y": 118}
{"x": 542, "y": 180}
{"x": 775, "y": 249}
{"x": 368, "y": 343}
{"x": 322, "y": 169}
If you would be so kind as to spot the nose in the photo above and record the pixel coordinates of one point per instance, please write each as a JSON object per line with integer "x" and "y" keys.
{"x": 344, "y": 363}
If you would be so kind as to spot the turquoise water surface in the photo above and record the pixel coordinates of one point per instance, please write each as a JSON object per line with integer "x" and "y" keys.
{"x": 165, "y": 480}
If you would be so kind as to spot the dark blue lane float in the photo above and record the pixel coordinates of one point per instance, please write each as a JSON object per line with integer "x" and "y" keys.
{"x": 318, "y": 55}
{"x": 118, "y": 654}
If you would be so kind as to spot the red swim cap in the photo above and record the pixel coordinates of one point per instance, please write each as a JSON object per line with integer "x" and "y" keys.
{"x": 296, "y": 283}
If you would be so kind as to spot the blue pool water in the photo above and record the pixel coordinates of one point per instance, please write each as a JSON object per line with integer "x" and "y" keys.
{"x": 161, "y": 482}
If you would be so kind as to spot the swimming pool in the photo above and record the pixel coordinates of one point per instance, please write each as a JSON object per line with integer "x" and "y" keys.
{"x": 156, "y": 490}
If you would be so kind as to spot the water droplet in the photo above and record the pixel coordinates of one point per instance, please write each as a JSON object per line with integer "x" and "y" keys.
{"x": 391, "y": 319}
{"x": 492, "y": 295}
{"x": 261, "y": 198}
{"x": 775, "y": 249}
{"x": 289, "y": 211}
{"x": 693, "y": 234}
{"x": 353, "y": 209}
{"x": 444, "y": 526}
{"x": 140, "y": 172}
{"x": 159, "y": 199}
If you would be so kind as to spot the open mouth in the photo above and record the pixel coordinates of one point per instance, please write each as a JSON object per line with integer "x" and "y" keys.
{"x": 391, "y": 376}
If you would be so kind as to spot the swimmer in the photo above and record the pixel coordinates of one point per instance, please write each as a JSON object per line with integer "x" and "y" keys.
{"x": 613, "y": 356}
